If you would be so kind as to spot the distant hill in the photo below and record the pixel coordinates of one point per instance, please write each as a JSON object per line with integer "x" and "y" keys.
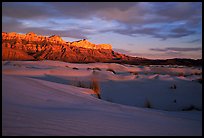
{"x": 31, "y": 46}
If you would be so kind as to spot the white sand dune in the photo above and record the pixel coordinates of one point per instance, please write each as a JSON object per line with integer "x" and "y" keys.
{"x": 37, "y": 101}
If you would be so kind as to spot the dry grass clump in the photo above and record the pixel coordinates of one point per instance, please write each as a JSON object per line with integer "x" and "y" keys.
{"x": 134, "y": 72}
{"x": 181, "y": 74}
{"x": 196, "y": 73}
{"x": 96, "y": 68}
{"x": 18, "y": 65}
{"x": 81, "y": 84}
{"x": 200, "y": 80}
{"x": 147, "y": 104}
{"x": 173, "y": 86}
{"x": 75, "y": 68}
{"x": 95, "y": 87}
{"x": 190, "y": 108}
{"x": 111, "y": 70}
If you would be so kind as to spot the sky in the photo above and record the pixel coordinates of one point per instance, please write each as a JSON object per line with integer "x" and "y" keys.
{"x": 154, "y": 30}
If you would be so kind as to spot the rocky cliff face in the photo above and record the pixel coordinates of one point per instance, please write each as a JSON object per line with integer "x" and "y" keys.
{"x": 34, "y": 47}
{"x": 86, "y": 44}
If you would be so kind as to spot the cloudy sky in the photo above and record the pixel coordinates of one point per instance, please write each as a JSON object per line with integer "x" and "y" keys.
{"x": 151, "y": 30}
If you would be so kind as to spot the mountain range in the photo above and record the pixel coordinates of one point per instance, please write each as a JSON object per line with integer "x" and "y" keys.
{"x": 31, "y": 46}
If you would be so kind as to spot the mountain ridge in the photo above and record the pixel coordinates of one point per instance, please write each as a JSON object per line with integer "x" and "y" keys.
{"x": 31, "y": 46}
{"x": 55, "y": 48}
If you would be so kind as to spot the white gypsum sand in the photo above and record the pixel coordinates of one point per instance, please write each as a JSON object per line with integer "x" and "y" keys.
{"x": 38, "y": 98}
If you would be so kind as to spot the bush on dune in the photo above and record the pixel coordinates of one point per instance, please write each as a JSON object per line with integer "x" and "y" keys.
{"x": 181, "y": 74}
{"x": 200, "y": 80}
{"x": 18, "y": 65}
{"x": 96, "y": 68}
{"x": 173, "y": 86}
{"x": 75, "y": 68}
{"x": 111, "y": 70}
{"x": 134, "y": 73}
{"x": 190, "y": 108}
{"x": 95, "y": 87}
{"x": 196, "y": 73}
{"x": 147, "y": 104}
{"x": 81, "y": 84}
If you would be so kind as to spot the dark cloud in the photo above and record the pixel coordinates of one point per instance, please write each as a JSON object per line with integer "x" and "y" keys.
{"x": 127, "y": 14}
{"x": 27, "y": 10}
{"x": 123, "y": 51}
{"x": 134, "y": 54}
{"x": 163, "y": 53}
{"x": 178, "y": 33}
{"x": 182, "y": 19}
{"x": 176, "y": 49}
{"x": 17, "y": 26}
{"x": 158, "y": 49}
{"x": 184, "y": 49}
{"x": 176, "y": 52}
{"x": 130, "y": 53}
{"x": 156, "y": 32}
{"x": 132, "y": 32}
{"x": 124, "y": 12}
{"x": 73, "y": 33}
{"x": 11, "y": 25}
{"x": 178, "y": 10}
{"x": 88, "y": 9}
{"x": 195, "y": 41}
{"x": 181, "y": 30}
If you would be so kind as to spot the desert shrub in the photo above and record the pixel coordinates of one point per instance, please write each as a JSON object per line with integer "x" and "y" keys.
{"x": 18, "y": 65}
{"x": 197, "y": 73}
{"x": 78, "y": 83}
{"x": 173, "y": 86}
{"x": 146, "y": 73}
{"x": 111, "y": 70}
{"x": 190, "y": 108}
{"x": 67, "y": 66}
{"x": 96, "y": 68}
{"x": 95, "y": 72}
{"x": 7, "y": 63}
{"x": 186, "y": 75}
{"x": 134, "y": 73}
{"x": 89, "y": 68}
{"x": 147, "y": 104}
{"x": 95, "y": 87}
{"x": 180, "y": 74}
{"x": 200, "y": 80}
{"x": 73, "y": 82}
{"x": 75, "y": 68}
{"x": 81, "y": 84}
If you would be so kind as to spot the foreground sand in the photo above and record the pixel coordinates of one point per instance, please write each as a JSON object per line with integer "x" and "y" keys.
{"x": 37, "y": 100}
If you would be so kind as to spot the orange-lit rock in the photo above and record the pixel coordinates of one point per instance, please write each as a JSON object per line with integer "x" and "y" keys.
{"x": 55, "y": 39}
{"x": 13, "y": 54}
{"x": 32, "y": 46}
{"x": 86, "y": 44}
